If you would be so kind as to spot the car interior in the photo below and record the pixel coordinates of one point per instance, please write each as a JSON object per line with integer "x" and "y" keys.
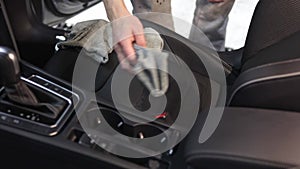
{"x": 259, "y": 127}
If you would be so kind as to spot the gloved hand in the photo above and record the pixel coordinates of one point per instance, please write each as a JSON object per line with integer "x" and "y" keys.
{"x": 126, "y": 32}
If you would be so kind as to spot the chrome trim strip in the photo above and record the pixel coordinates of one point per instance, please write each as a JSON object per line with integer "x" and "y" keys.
{"x": 274, "y": 64}
{"x": 260, "y": 80}
{"x": 39, "y": 77}
{"x": 54, "y": 93}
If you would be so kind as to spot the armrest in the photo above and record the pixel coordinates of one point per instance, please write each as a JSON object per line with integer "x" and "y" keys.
{"x": 247, "y": 138}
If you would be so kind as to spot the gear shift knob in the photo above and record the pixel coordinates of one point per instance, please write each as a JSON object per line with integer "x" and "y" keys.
{"x": 9, "y": 67}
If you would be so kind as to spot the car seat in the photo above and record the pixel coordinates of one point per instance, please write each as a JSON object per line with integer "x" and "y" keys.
{"x": 268, "y": 74}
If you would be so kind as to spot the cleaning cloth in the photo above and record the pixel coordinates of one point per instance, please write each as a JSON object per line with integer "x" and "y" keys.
{"x": 95, "y": 37}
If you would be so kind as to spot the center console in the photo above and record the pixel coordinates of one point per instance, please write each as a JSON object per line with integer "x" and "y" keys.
{"x": 48, "y": 133}
{"x": 32, "y": 102}
{"x": 39, "y": 126}
{"x": 39, "y": 119}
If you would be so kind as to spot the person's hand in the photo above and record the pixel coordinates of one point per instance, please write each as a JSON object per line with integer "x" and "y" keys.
{"x": 127, "y": 31}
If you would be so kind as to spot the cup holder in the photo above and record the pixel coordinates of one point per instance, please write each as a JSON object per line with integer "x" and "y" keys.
{"x": 140, "y": 131}
{"x": 146, "y": 131}
{"x": 95, "y": 121}
{"x": 159, "y": 138}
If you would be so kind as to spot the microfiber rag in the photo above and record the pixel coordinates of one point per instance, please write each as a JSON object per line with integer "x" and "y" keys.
{"x": 95, "y": 37}
{"x": 152, "y": 64}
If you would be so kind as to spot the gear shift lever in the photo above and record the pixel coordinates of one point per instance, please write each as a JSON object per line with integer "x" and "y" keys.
{"x": 9, "y": 67}
{"x": 18, "y": 92}
{"x": 27, "y": 103}
{"x": 10, "y": 77}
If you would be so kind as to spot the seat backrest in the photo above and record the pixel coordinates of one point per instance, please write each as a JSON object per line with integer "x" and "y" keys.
{"x": 270, "y": 73}
{"x": 274, "y": 33}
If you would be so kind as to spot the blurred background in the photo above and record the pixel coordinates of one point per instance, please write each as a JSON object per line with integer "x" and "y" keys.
{"x": 237, "y": 28}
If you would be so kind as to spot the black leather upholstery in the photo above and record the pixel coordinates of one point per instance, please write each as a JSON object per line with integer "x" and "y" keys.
{"x": 247, "y": 139}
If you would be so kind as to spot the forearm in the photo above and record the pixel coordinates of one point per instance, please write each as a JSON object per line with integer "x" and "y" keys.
{"x": 115, "y": 9}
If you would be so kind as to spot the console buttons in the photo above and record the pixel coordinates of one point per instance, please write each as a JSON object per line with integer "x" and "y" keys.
{"x": 16, "y": 121}
{"x": 33, "y": 118}
{"x": 46, "y": 84}
{"x": 58, "y": 90}
{"x": 28, "y": 116}
{"x": 55, "y": 88}
{"x": 3, "y": 118}
{"x": 37, "y": 80}
{"x": 51, "y": 86}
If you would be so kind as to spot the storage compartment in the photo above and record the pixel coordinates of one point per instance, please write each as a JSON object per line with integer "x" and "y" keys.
{"x": 95, "y": 115}
{"x": 94, "y": 119}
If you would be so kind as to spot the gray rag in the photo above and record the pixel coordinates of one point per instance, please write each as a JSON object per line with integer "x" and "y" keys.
{"x": 95, "y": 37}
